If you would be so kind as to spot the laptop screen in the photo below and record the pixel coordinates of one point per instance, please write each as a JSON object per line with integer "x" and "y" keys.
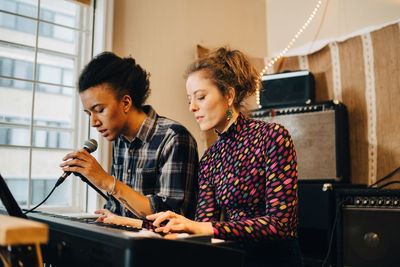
{"x": 9, "y": 201}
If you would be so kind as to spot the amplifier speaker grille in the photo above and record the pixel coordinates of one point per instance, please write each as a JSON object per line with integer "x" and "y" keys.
{"x": 368, "y": 227}
{"x": 371, "y": 237}
{"x": 320, "y": 139}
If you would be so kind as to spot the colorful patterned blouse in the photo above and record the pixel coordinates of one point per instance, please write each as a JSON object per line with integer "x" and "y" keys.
{"x": 250, "y": 173}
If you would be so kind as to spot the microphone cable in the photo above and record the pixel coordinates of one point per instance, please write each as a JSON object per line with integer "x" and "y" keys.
{"x": 51, "y": 192}
{"x": 90, "y": 146}
{"x": 84, "y": 179}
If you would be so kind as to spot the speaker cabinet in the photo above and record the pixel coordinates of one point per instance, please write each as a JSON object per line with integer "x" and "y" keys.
{"x": 287, "y": 88}
{"x": 316, "y": 210}
{"x": 369, "y": 230}
{"x": 320, "y": 135}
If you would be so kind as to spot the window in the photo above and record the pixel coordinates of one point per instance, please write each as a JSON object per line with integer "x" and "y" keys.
{"x": 43, "y": 46}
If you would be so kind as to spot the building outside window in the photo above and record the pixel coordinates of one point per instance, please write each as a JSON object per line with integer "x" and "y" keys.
{"x": 43, "y": 46}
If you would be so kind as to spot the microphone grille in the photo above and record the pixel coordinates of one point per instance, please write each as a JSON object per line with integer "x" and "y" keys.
{"x": 90, "y": 145}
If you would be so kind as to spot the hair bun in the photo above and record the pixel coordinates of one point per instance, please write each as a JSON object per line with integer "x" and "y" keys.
{"x": 129, "y": 61}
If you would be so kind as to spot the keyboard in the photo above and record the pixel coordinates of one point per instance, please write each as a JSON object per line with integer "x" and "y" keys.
{"x": 85, "y": 242}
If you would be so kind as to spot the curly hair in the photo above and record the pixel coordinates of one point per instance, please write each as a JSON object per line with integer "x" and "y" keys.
{"x": 123, "y": 75}
{"x": 229, "y": 68}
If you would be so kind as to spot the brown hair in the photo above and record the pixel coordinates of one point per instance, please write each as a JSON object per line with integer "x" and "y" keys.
{"x": 229, "y": 68}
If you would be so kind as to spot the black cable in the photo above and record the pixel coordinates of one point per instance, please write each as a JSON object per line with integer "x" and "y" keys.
{"x": 389, "y": 183}
{"x": 332, "y": 233}
{"x": 51, "y": 192}
{"x": 386, "y": 177}
{"x": 85, "y": 180}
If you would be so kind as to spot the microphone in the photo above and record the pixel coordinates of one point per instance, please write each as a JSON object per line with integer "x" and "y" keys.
{"x": 90, "y": 146}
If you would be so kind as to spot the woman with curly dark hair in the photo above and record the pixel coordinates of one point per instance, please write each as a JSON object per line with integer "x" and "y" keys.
{"x": 155, "y": 159}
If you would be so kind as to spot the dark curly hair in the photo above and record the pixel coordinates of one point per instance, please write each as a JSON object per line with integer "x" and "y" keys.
{"x": 229, "y": 68}
{"x": 123, "y": 75}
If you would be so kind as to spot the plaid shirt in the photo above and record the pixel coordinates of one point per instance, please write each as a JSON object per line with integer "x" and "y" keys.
{"x": 161, "y": 163}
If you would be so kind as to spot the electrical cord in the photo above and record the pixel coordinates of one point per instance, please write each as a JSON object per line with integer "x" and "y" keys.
{"x": 385, "y": 177}
{"x": 332, "y": 233}
{"x": 32, "y": 209}
{"x": 389, "y": 183}
{"x": 83, "y": 178}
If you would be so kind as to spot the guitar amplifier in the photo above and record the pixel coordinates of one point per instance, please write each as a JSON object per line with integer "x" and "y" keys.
{"x": 320, "y": 135}
{"x": 368, "y": 231}
{"x": 287, "y": 89}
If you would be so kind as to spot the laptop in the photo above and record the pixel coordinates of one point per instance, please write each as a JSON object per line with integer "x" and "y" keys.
{"x": 9, "y": 201}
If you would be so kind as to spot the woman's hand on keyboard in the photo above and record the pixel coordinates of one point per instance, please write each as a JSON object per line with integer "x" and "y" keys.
{"x": 176, "y": 223}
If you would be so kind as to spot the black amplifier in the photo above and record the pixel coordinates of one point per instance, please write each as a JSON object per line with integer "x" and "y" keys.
{"x": 287, "y": 89}
{"x": 320, "y": 135}
{"x": 368, "y": 227}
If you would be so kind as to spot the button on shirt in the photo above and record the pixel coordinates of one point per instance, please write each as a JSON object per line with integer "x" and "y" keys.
{"x": 161, "y": 162}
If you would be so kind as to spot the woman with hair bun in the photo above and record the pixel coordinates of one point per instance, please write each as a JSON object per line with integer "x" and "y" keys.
{"x": 155, "y": 159}
{"x": 249, "y": 175}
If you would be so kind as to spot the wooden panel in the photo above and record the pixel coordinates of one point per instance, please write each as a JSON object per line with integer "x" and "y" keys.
{"x": 386, "y": 44}
{"x": 17, "y": 231}
{"x": 320, "y": 65}
{"x": 353, "y": 96}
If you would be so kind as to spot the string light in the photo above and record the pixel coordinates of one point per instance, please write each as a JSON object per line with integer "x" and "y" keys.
{"x": 290, "y": 44}
{"x": 294, "y": 39}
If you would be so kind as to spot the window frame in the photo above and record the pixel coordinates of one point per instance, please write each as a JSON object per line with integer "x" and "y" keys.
{"x": 99, "y": 16}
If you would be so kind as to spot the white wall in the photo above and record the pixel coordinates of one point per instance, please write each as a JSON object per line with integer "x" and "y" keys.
{"x": 162, "y": 36}
{"x": 335, "y": 19}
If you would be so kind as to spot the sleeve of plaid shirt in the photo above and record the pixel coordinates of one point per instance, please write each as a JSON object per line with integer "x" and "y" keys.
{"x": 178, "y": 185}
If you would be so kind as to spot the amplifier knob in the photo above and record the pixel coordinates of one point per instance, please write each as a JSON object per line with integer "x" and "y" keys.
{"x": 380, "y": 202}
{"x": 388, "y": 202}
{"x": 372, "y": 202}
{"x": 358, "y": 202}
{"x": 365, "y": 202}
{"x": 395, "y": 202}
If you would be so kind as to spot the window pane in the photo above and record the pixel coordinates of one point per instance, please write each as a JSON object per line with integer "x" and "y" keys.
{"x": 52, "y": 138}
{"x": 57, "y": 38}
{"x": 17, "y": 61}
{"x": 51, "y": 68}
{"x": 68, "y": 79}
{"x": 6, "y": 66}
{"x": 17, "y": 30}
{"x": 25, "y": 7}
{"x": 42, "y": 187}
{"x": 23, "y": 69}
{"x": 64, "y": 13}
{"x": 15, "y": 104}
{"x": 8, "y": 21}
{"x": 44, "y": 177}
{"x": 15, "y": 136}
{"x": 49, "y": 74}
{"x": 61, "y": 112}
{"x": 14, "y": 169}
{"x": 67, "y": 19}
{"x": 8, "y": 5}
